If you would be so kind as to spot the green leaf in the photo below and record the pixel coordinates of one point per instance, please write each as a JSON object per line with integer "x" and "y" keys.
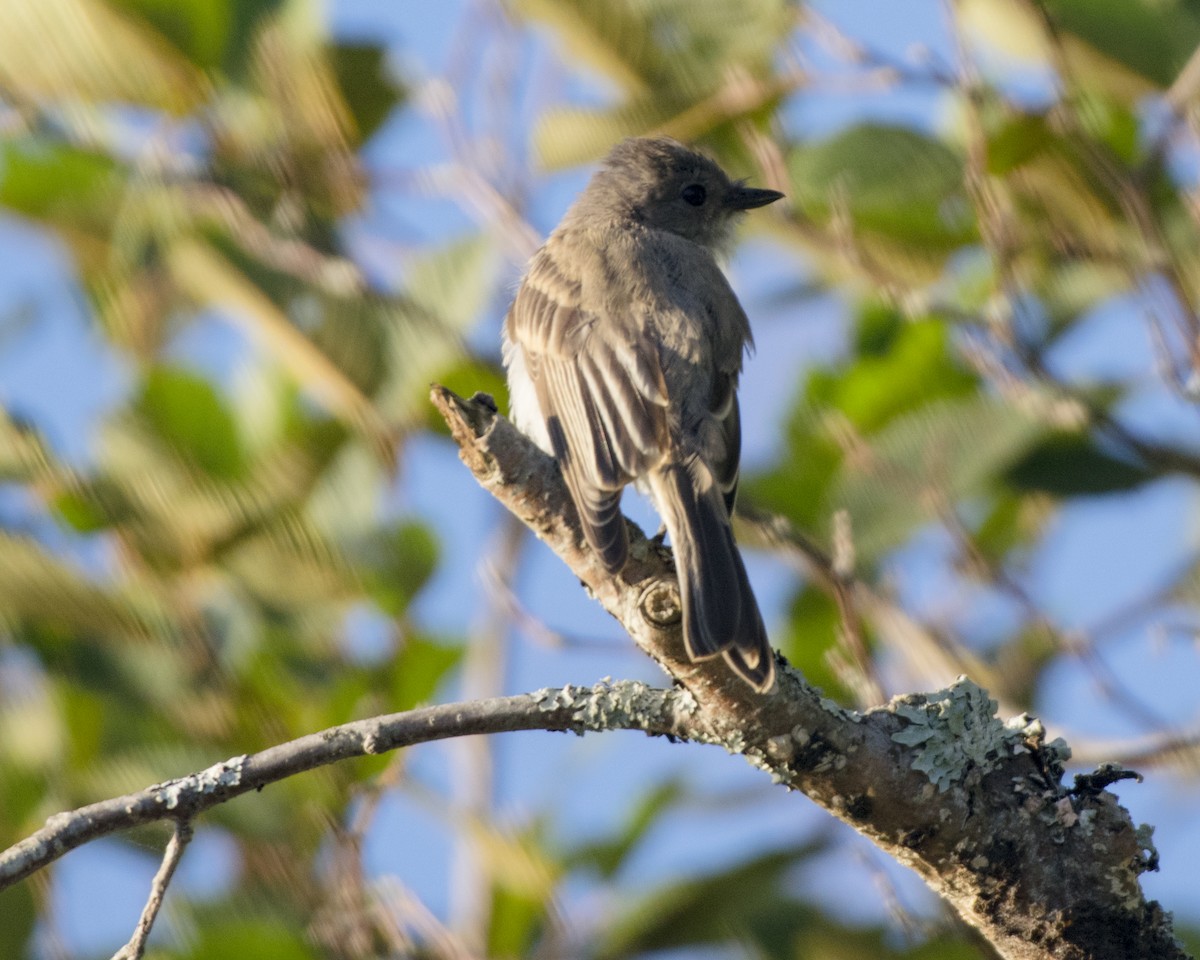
{"x": 925, "y": 462}
{"x": 712, "y": 909}
{"x": 396, "y": 563}
{"x": 418, "y": 669}
{"x": 467, "y": 377}
{"x": 798, "y": 485}
{"x": 1071, "y": 465}
{"x": 281, "y": 939}
{"x": 1151, "y": 38}
{"x": 903, "y": 192}
{"x": 1002, "y": 529}
{"x": 23, "y": 452}
{"x": 903, "y": 365}
{"x": 671, "y": 47}
{"x": 185, "y": 410}
{"x": 392, "y": 347}
{"x": 81, "y": 513}
{"x": 916, "y": 369}
{"x": 50, "y": 181}
{"x": 367, "y": 86}
{"x": 83, "y": 53}
{"x": 609, "y": 855}
{"x": 1018, "y": 140}
{"x": 1113, "y": 123}
{"x": 37, "y": 588}
{"x": 19, "y": 911}
{"x": 669, "y": 58}
{"x": 812, "y": 626}
{"x": 515, "y": 920}
{"x": 210, "y": 33}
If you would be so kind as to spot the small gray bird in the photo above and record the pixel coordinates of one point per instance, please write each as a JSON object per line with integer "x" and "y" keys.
{"x": 623, "y": 348}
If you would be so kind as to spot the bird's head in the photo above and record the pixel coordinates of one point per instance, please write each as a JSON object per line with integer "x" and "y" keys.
{"x": 664, "y": 185}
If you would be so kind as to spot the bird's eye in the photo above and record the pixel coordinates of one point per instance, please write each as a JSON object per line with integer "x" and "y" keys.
{"x": 694, "y": 194}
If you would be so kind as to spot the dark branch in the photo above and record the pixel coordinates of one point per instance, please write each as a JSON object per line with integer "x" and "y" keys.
{"x": 976, "y": 806}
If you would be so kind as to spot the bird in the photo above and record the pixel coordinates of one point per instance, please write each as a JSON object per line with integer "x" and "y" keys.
{"x": 623, "y": 347}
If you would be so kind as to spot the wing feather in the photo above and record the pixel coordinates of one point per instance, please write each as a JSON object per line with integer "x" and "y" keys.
{"x": 600, "y": 392}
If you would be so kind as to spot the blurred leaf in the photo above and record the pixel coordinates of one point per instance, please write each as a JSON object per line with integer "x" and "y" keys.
{"x": 685, "y": 66}
{"x": 1012, "y": 28}
{"x": 1001, "y": 530}
{"x": 19, "y": 911}
{"x": 79, "y": 512}
{"x": 37, "y": 587}
{"x": 365, "y": 82}
{"x": 85, "y": 50}
{"x": 452, "y": 283}
{"x": 1075, "y": 287}
{"x": 32, "y": 738}
{"x": 1114, "y": 124}
{"x": 291, "y": 568}
{"x": 609, "y": 855}
{"x": 281, "y": 939}
{"x": 680, "y": 47}
{"x": 55, "y": 182}
{"x": 568, "y": 136}
{"x": 213, "y": 281}
{"x": 466, "y": 378}
{"x": 24, "y": 800}
{"x": 1151, "y": 38}
{"x": 1017, "y": 665}
{"x": 517, "y": 859}
{"x": 448, "y": 289}
{"x": 798, "y": 485}
{"x": 712, "y": 909}
{"x": 902, "y": 365}
{"x": 396, "y": 562}
{"x": 902, "y": 191}
{"x": 1070, "y": 464}
{"x": 210, "y": 33}
{"x": 186, "y": 412}
{"x": 608, "y": 37}
{"x": 23, "y": 453}
{"x": 1187, "y": 588}
{"x": 305, "y": 126}
{"x": 925, "y": 461}
{"x": 1016, "y": 141}
{"x": 917, "y": 368}
{"x": 514, "y": 922}
{"x": 812, "y": 626}
{"x": 417, "y": 669}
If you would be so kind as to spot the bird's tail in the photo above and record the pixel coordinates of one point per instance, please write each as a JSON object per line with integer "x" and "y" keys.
{"x": 720, "y": 614}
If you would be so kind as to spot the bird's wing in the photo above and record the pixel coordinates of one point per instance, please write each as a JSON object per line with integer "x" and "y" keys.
{"x": 727, "y": 462}
{"x": 601, "y": 392}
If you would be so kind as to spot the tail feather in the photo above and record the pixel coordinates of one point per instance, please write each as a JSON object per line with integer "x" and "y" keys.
{"x": 720, "y": 614}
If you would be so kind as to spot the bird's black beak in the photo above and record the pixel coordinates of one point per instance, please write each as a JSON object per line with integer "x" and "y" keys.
{"x": 747, "y": 198}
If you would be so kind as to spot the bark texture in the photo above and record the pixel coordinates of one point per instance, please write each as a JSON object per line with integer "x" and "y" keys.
{"x": 975, "y": 805}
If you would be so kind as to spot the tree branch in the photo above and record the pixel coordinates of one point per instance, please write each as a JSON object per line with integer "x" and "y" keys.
{"x": 974, "y": 805}
{"x": 136, "y": 947}
{"x": 622, "y": 705}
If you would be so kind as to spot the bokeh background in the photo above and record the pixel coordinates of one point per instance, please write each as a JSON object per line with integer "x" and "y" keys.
{"x": 238, "y": 240}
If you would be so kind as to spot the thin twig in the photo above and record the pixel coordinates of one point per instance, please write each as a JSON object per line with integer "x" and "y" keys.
{"x": 136, "y": 946}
